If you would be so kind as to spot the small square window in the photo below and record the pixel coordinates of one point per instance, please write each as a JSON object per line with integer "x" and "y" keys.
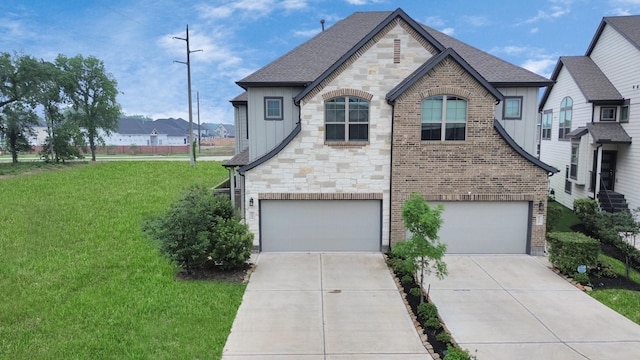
{"x": 273, "y": 108}
{"x": 607, "y": 113}
{"x": 512, "y": 108}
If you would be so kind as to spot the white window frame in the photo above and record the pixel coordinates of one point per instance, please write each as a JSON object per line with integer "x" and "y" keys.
{"x": 612, "y": 116}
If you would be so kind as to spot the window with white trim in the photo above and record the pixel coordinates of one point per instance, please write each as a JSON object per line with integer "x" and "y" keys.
{"x": 347, "y": 119}
{"x": 608, "y": 113}
{"x": 444, "y": 118}
{"x": 573, "y": 169}
{"x": 566, "y": 113}
{"x": 512, "y": 108}
{"x": 624, "y": 114}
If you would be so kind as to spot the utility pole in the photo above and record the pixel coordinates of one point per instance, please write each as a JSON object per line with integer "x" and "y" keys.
{"x": 192, "y": 159}
{"x": 198, "y": 102}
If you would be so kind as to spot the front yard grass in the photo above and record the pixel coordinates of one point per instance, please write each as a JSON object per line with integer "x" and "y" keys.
{"x": 625, "y": 302}
{"x": 78, "y": 280}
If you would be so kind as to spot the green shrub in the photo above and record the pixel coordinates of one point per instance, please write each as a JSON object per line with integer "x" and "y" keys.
{"x": 582, "y": 278}
{"x": 456, "y": 353}
{"x": 200, "y": 228}
{"x": 570, "y": 250}
{"x": 426, "y": 311}
{"x": 443, "y": 337}
{"x": 587, "y": 210}
{"x": 232, "y": 243}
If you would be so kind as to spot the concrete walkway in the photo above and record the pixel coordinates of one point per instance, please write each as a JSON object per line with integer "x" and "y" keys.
{"x": 325, "y": 306}
{"x": 515, "y": 307}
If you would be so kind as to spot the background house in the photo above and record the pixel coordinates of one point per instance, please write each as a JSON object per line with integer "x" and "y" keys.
{"x": 588, "y": 119}
{"x": 380, "y": 106}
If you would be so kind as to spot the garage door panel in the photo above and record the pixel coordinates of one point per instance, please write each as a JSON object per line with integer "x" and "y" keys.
{"x": 320, "y": 225}
{"x": 485, "y": 227}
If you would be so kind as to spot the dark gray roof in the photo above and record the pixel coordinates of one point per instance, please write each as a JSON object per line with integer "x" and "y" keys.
{"x": 424, "y": 69}
{"x": 308, "y": 61}
{"x": 608, "y": 133}
{"x": 242, "y": 98}
{"x": 592, "y": 82}
{"x": 134, "y": 126}
{"x": 240, "y": 159}
{"x": 522, "y": 152}
{"x": 312, "y": 60}
{"x": 627, "y": 26}
{"x": 495, "y": 70}
{"x": 603, "y": 133}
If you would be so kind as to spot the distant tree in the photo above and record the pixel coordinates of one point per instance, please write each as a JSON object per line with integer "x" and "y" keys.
{"x": 17, "y": 127}
{"x": 92, "y": 94}
{"x": 51, "y": 97}
{"x": 422, "y": 253}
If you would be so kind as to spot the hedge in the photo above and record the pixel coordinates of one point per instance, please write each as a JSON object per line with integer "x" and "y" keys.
{"x": 570, "y": 250}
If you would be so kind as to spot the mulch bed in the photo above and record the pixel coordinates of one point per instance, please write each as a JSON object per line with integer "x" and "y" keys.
{"x": 216, "y": 274}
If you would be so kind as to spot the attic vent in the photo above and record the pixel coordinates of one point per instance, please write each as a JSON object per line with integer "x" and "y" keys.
{"x": 396, "y": 51}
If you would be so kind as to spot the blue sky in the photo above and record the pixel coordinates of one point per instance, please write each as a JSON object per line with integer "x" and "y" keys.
{"x": 134, "y": 38}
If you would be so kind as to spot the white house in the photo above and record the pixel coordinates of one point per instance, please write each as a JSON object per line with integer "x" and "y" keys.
{"x": 590, "y": 117}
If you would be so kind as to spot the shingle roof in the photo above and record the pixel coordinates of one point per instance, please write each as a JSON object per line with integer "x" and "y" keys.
{"x": 493, "y": 69}
{"x": 592, "y": 82}
{"x": 240, "y": 159}
{"x": 242, "y": 98}
{"x": 627, "y": 26}
{"x": 608, "y": 133}
{"x": 307, "y": 62}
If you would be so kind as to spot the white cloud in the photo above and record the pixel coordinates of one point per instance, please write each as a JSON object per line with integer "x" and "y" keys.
{"x": 434, "y": 21}
{"x": 251, "y": 9}
{"x": 449, "y": 31}
{"x": 475, "y": 20}
{"x": 557, "y": 9}
{"x": 534, "y": 30}
{"x": 541, "y": 66}
{"x": 511, "y": 50}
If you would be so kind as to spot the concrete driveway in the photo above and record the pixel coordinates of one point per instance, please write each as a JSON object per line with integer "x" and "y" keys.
{"x": 325, "y": 306}
{"x": 515, "y": 307}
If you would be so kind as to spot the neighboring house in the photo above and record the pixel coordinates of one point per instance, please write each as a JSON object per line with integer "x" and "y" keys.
{"x": 335, "y": 135}
{"x": 142, "y": 132}
{"x": 224, "y": 131}
{"x": 589, "y": 117}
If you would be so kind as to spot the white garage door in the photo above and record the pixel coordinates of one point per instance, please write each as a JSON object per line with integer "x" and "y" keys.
{"x": 320, "y": 225}
{"x": 485, "y": 227}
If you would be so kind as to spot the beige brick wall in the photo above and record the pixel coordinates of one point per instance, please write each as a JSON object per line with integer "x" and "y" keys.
{"x": 483, "y": 167}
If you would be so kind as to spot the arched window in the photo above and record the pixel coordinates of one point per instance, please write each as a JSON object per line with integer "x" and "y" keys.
{"x": 346, "y": 119}
{"x": 444, "y": 118}
{"x": 566, "y": 112}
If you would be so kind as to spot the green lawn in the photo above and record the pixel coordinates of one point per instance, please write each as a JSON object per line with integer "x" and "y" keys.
{"x": 567, "y": 217}
{"x": 626, "y": 302}
{"x": 78, "y": 280}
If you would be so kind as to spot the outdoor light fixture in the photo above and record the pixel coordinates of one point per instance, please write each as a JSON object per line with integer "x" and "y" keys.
{"x": 251, "y": 202}
{"x": 540, "y": 206}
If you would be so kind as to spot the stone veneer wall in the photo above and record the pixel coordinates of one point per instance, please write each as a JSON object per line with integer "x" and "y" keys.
{"x": 481, "y": 168}
{"x": 313, "y": 169}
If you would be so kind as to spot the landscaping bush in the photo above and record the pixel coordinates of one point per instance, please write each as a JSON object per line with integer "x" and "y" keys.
{"x": 199, "y": 230}
{"x": 570, "y": 250}
{"x": 587, "y": 210}
{"x": 455, "y": 353}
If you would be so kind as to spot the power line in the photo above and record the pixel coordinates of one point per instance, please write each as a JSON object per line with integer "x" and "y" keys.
{"x": 192, "y": 159}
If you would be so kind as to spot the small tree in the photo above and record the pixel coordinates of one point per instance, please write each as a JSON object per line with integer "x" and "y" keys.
{"x": 422, "y": 253}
